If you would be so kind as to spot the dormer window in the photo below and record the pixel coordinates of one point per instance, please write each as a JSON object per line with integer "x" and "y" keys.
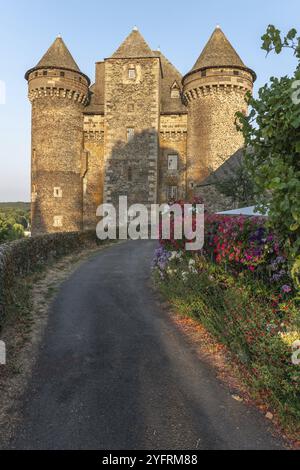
{"x": 173, "y": 193}
{"x": 175, "y": 90}
{"x": 132, "y": 74}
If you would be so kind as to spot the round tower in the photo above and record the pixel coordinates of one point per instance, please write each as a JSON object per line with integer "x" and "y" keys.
{"x": 214, "y": 91}
{"x": 58, "y": 92}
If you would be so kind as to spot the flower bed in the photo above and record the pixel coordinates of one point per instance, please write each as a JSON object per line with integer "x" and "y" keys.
{"x": 240, "y": 289}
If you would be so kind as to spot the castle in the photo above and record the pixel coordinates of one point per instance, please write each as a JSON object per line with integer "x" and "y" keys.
{"x": 141, "y": 130}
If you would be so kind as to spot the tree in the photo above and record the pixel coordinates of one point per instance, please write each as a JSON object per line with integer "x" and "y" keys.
{"x": 272, "y": 129}
{"x": 10, "y": 229}
{"x": 236, "y": 184}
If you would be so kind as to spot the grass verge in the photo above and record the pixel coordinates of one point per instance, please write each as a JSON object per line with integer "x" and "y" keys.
{"x": 240, "y": 318}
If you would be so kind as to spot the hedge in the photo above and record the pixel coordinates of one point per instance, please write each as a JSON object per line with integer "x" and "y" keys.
{"x": 25, "y": 256}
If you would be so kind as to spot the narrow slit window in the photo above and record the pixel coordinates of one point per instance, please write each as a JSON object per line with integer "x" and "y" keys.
{"x": 173, "y": 193}
{"x": 130, "y": 134}
{"x": 57, "y": 192}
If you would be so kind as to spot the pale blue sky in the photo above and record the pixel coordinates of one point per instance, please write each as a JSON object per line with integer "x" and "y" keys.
{"x": 94, "y": 29}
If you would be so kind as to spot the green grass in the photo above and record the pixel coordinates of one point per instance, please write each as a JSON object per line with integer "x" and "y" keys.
{"x": 240, "y": 317}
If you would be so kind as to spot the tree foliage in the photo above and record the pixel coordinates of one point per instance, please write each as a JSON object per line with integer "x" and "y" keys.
{"x": 238, "y": 185}
{"x": 13, "y": 223}
{"x": 272, "y": 130}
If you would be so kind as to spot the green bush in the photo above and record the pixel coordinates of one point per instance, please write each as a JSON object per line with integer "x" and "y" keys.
{"x": 272, "y": 130}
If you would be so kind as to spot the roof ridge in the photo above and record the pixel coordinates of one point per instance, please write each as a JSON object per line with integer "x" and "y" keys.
{"x": 218, "y": 51}
{"x": 58, "y": 55}
{"x": 169, "y": 62}
{"x": 134, "y": 46}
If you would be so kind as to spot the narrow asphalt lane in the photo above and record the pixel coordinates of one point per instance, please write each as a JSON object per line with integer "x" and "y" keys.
{"x": 114, "y": 373}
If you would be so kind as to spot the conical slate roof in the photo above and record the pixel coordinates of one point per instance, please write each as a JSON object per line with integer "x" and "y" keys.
{"x": 218, "y": 52}
{"x": 58, "y": 55}
{"x": 134, "y": 46}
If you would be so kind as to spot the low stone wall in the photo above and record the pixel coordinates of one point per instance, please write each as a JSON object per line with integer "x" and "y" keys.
{"x": 30, "y": 254}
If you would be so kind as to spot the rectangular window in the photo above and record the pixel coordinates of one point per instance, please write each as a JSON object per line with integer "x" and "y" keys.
{"x": 57, "y": 221}
{"x": 132, "y": 74}
{"x": 57, "y": 192}
{"x": 172, "y": 162}
{"x": 62, "y": 74}
{"x": 173, "y": 193}
{"x": 130, "y": 134}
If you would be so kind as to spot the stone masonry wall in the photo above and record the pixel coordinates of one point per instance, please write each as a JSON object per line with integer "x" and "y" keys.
{"x": 57, "y": 146}
{"x": 173, "y": 141}
{"x": 93, "y": 181}
{"x": 213, "y": 101}
{"x": 213, "y": 200}
{"x": 131, "y": 165}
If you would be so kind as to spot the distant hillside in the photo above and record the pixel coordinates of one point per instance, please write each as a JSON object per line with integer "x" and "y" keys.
{"x": 8, "y": 206}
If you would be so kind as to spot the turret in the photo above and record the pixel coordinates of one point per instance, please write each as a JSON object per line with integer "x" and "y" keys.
{"x": 58, "y": 92}
{"x": 214, "y": 91}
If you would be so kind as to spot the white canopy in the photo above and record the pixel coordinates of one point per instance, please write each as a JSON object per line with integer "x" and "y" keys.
{"x": 250, "y": 211}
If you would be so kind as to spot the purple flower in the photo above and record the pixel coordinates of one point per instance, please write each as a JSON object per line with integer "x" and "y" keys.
{"x": 286, "y": 289}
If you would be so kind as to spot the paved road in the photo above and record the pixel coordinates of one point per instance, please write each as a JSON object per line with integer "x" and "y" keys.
{"x": 114, "y": 373}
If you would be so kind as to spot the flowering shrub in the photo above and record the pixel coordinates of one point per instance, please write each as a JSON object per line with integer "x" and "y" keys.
{"x": 240, "y": 289}
{"x": 246, "y": 244}
{"x": 172, "y": 243}
{"x": 239, "y": 244}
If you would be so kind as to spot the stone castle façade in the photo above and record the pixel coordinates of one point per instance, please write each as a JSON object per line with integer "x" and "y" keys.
{"x": 141, "y": 130}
